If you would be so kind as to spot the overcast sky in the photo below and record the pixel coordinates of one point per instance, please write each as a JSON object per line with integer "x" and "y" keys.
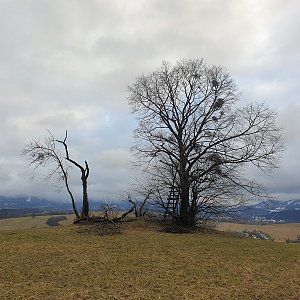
{"x": 67, "y": 65}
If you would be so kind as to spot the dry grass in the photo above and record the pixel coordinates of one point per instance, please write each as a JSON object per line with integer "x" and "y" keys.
{"x": 279, "y": 232}
{"x": 143, "y": 263}
{"x": 29, "y": 222}
{"x": 39, "y": 221}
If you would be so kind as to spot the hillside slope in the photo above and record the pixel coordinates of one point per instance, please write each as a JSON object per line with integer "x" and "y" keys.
{"x": 74, "y": 262}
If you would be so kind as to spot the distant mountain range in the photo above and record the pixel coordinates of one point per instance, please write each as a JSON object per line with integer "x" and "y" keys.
{"x": 23, "y": 202}
{"x": 271, "y": 210}
{"x": 11, "y": 207}
{"x": 267, "y": 211}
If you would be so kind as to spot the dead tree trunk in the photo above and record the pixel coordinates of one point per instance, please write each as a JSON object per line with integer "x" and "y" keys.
{"x": 85, "y": 201}
{"x": 69, "y": 190}
{"x": 84, "y": 178}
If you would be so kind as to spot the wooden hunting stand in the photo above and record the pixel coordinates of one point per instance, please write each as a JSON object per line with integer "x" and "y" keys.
{"x": 172, "y": 206}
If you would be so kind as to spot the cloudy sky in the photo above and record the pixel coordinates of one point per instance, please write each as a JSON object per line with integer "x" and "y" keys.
{"x": 67, "y": 65}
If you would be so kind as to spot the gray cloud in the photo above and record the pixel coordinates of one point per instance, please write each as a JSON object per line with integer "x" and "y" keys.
{"x": 67, "y": 65}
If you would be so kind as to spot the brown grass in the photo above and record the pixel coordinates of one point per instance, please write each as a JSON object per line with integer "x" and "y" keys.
{"x": 279, "y": 232}
{"x": 29, "y": 222}
{"x": 144, "y": 263}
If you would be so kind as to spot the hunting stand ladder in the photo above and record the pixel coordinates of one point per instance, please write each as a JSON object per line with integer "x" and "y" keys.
{"x": 172, "y": 206}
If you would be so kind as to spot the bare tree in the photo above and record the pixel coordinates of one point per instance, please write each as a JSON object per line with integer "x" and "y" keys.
{"x": 195, "y": 137}
{"x": 45, "y": 154}
{"x": 140, "y": 197}
{"x": 85, "y": 171}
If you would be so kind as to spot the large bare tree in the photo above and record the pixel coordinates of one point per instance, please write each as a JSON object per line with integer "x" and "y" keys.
{"x": 45, "y": 154}
{"x": 194, "y": 136}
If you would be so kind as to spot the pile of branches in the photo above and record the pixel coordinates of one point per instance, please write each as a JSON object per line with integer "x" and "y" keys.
{"x": 108, "y": 223}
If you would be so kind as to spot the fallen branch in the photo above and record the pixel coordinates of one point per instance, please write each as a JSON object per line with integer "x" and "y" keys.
{"x": 123, "y": 215}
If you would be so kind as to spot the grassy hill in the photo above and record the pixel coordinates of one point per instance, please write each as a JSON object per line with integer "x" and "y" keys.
{"x": 74, "y": 262}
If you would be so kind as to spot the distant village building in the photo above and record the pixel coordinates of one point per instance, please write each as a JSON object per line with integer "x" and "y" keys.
{"x": 264, "y": 220}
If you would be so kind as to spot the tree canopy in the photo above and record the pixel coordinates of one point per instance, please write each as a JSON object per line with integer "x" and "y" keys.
{"x": 196, "y": 137}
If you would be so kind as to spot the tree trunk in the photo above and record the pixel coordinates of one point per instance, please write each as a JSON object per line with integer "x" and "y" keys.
{"x": 85, "y": 202}
{"x": 68, "y": 188}
{"x": 73, "y": 202}
{"x": 184, "y": 217}
{"x": 193, "y": 208}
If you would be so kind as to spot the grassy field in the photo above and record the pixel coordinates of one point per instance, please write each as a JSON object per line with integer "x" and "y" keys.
{"x": 74, "y": 262}
{"x": 29, "y": 222}
{"x": 279, "y": 232}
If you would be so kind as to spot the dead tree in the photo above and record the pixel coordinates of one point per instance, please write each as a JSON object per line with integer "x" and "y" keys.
{"x": 139, "y": 207}
{"x": 85, "y": 171}
{"x": 45, "y": 154}
{"x": 140, "y": 197}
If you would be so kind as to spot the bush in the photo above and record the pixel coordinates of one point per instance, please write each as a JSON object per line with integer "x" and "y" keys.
{"x": 54, "y": 221}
